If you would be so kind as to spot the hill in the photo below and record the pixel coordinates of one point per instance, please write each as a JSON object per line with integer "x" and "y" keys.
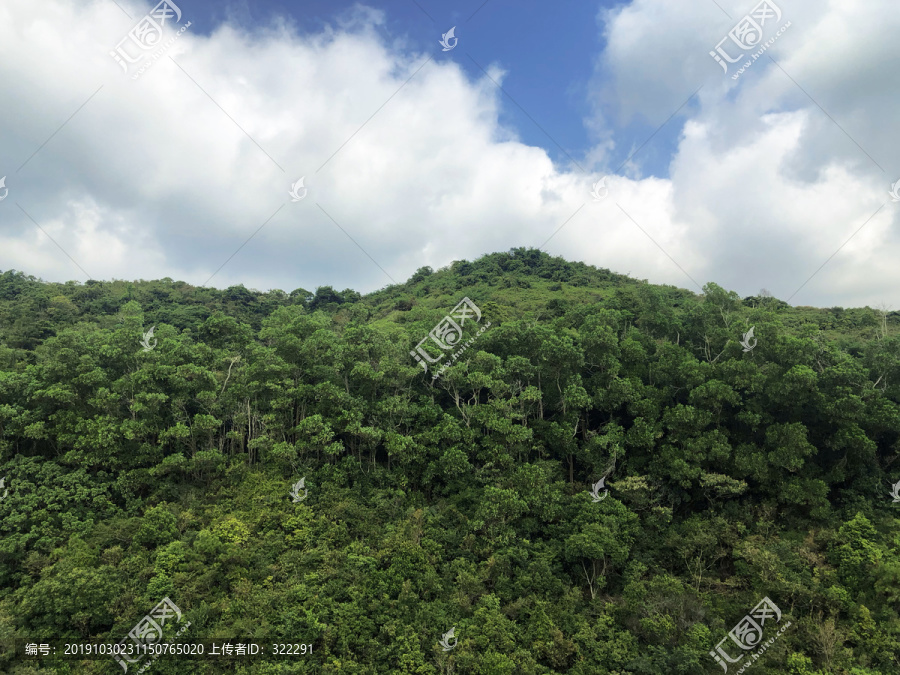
{"x": 747, "y": 450}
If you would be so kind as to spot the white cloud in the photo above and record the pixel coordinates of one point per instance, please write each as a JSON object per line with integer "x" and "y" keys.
{"x": 766, "y": 185}
{"x": 151, "y": 178}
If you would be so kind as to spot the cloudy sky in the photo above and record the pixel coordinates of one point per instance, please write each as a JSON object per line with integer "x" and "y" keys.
{"x": 412, "y": 154}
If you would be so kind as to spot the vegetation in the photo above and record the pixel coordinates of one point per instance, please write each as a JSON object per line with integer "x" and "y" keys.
{"x": 462, "y": 502}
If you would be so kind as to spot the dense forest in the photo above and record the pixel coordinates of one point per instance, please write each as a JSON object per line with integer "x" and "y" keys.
{"x": 609, "y": 479}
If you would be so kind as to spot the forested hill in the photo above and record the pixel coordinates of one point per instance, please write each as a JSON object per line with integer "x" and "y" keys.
{"x": 747, "y": 448}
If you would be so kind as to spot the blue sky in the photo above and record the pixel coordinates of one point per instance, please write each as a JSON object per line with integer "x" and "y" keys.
{"x": 781, "y": 175}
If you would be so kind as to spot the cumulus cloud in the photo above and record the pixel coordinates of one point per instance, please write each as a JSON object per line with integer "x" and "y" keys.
{"x": 777, "y": 171}
{"x": 406, "y": 162}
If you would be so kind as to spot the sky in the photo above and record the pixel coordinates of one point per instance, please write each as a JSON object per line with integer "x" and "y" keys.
{"x": 602, "y": 132}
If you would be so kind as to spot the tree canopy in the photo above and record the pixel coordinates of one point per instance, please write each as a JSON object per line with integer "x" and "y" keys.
{"x": 732, "y": 474}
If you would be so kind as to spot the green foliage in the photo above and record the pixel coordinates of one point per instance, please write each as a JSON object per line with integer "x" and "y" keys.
{"x": 158, "y": 526}
{"x": 463, "y": 501}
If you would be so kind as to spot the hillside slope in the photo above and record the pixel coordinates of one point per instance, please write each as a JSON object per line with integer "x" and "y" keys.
{"x": 142, "y": 466}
